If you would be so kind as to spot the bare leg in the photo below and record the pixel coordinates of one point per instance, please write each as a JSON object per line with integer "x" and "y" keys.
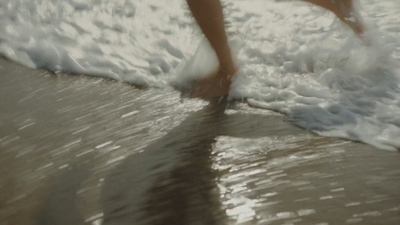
{"x": 209, "y": 16}
{"x": 344, "y": 10}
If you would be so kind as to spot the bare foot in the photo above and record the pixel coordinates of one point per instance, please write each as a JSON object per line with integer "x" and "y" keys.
{"x": 215, "y": 86}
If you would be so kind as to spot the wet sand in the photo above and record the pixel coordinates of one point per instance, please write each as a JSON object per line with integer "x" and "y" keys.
{"x": 83, "y": 150}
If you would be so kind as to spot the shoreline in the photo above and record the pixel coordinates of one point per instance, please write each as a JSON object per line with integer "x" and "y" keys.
{"x": 84, "y": 150}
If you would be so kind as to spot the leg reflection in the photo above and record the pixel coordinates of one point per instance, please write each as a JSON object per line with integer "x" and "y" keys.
{"x": 172, "y": 181}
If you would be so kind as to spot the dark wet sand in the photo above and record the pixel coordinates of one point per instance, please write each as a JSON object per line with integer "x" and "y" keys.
{"x": 81, "y": 150}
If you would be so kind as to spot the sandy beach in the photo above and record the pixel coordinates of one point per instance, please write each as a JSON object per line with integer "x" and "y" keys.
{"x": 86, "y": 150}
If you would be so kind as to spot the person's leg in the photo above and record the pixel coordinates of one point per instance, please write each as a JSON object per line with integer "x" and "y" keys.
{"x": 344, "y": 10}
{"x": 209, "y": 16}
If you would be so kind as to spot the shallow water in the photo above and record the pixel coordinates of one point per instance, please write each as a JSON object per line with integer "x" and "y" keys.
{"x": 295, "y": 59}
{"x": 76, "y": 150}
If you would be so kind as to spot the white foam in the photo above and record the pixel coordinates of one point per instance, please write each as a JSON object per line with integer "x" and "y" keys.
{"x": 295, "y": 58}
{"x": 132, "y": 41}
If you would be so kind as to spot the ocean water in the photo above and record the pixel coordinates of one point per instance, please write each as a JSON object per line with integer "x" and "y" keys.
{"x": 294, "y": 58}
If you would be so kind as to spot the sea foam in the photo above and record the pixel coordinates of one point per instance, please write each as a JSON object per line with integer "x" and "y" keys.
{"x": 294, "y": 58}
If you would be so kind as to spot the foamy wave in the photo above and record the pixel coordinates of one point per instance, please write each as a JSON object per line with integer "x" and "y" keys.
{"x": 295, "y": 58}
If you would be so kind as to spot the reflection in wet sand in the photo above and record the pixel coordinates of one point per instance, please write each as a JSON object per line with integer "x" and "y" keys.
{"x": 98, "y": 152}
{"x": 60, "y": 206}
{"x": 171, "y": 181}
{"x": 324, "y": 184}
